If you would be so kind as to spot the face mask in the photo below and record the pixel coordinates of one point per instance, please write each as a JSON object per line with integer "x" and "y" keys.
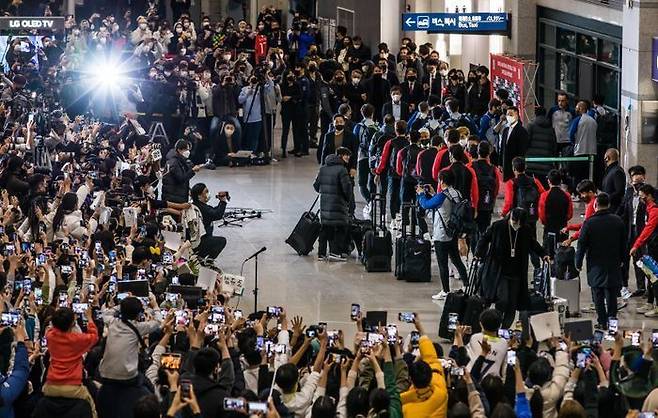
{"x": 142, "y": 26}
{"x": 515, "y": 225}
{"x": 183, "y": 51}
{"x": 227, "y": 57}
{"x": 183, "y": 73}
{"x": 229, "y": 131}
{"x": 364, "y": 69}
{"x": 186, "y": 153}
{"x": 167, "y": 73}
{"x": 411, "y": 78}
{"x": 339, "y": 128}
{"x": 121, "y": 147}
{"x": 356, "y": 80}
{"x": 510, "y": 119}
{"x": 443, "y": 72}
{"x": 463, "y": 142}
{"x": 396, "y": 97}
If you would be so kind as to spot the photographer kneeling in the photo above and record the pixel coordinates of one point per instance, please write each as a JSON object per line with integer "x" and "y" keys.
{"x": 209, "y": 246}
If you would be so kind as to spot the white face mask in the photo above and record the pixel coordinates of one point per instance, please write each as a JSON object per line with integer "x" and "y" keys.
{"x": 443, "y": 72}
{"x": 356, "y": 80}
{"x": 463, "y": 142}
{"x": 121, "y": 147}
{"x": 186, "y": 153}
{"x": 396, "y": 97}
{"x": 515, "y": 225}
{"x": 510, "y": 119}
{"x": 142, "y": 26}
{"x": 227, "y": 57}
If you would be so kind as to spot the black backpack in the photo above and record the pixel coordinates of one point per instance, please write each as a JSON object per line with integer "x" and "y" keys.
{"x": 527, "y": 196}
{"x": 409, "y": 163}
{"x": 461, "y": 220}
{"x": 396, "y": 145}
{"x": 486, "y": 177}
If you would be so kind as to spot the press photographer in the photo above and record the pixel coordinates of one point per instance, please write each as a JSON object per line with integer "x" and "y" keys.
{"x": 208, "y": 245}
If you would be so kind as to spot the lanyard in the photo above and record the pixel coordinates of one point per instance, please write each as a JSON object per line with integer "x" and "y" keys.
{"x": 512, "y": 243}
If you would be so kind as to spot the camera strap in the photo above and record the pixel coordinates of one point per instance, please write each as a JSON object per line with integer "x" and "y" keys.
{"x": 251, "y": 107}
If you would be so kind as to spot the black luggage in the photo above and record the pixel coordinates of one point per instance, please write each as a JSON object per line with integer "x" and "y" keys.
{"x": 565, "y": 263}
{"x": 377, "y": 242}
{"x": 306, "y": 231}
{"x": 413, "y": 254}
{"x": 537, "y": 297}
{"x": 475, "y": 304}
{"x": 358, "y": 229}
{"x": 455, "y": 303}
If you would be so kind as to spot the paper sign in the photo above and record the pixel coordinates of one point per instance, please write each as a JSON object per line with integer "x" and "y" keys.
{"x": 172, "y": 240}
{"x": 207, "y": 278}
{"x": 232, "y": 283}
{"x": 129, "y": 216}
{"x": 546, "y": 325}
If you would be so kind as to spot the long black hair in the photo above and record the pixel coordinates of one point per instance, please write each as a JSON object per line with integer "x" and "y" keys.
{"x": 32, "y": 218}
{"x": 539, "y": 373}
{"x": 68, "y": 204}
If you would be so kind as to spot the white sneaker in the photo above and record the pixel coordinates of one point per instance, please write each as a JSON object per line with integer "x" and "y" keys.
{"x": 366, "y": 211}
{"x": 590, "y": 308}
{"x": 625, "y": 293}
{"x": 337, "y": 257}
{"x": 621, "y": 304}
{"x": 393, "y": 225}
{"x": 652, "y": 313}
{"x": 440, "y": 296}
{"x": 644, "y": 308}
{"x": 427, "y": 236}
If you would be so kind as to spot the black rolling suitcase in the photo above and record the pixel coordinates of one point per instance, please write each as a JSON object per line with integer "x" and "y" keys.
{"x": 377, "y": 242}
{"x": 413, "y": 254}
{"x": 306, "y": 231}
{"x": 474, "y": 304}
{"x": 455, "y": 304}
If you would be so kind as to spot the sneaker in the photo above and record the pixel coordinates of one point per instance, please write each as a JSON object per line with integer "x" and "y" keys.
{"x": 393, "y": 225}
{"x": 427, "y": 237}
{"x": 637, "y": 293}
{"x": 621, "y": 304}
{"x": 440, "y": 296}
{"x": 366, "y": 211}
{"x": 322, "y": 258}
{"x": 601, "y": 327}
{"x": 590, "y": 308}
{"x": 336, "y": 257}
{"x": 625, "y": 293}
{"x": 653, "y": 313}
{"x": 644, "y": 308}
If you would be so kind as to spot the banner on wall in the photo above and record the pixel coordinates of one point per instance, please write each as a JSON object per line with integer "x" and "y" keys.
{"x": 508, "y": 73}
{"x": 654, "y": 59}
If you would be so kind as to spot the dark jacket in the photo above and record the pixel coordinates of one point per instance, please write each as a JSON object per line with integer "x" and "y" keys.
{"x": 48, "y": 407}
{"x": 210, "y": 393}
{"x": 349, "y": 141}
{"x": 614, "y": 184}
{"x": 626, "y": 213}
{"x": 477, "y": 99}
{"x": 388, "y": 109}
{"x": 541, "y": 143}
{"x": 12, "y": 385}
{"x": 378, "y": 92}
{"x": 412, "y": 95}
{"x": 514, "y": 146}
{"x": 335, "y": 188}
{"x": 176, "y": 183}
{"x": 602, "y": 238}
{"x": 495, "y": 249}
{"x": 225, "y": 100}
{"x": 210, "y": 214}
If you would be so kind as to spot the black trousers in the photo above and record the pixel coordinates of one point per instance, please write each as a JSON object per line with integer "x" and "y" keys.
{"x": 394, "y": 195}
{"x": 366, "y": 182}
{"x": 449, "y": 250}
{"x": 534, "y": 258}
{"x": 605, "y": 301}
{"x": 408, "y": 195}
{"x": 210, "y": 246}
{"x": 640, "y": 277}
{"x": 312, "y": 117}
{"x": 297, "y": 118}
{"x": 507, "y": 299}
{"x": 335, "y": 236}
{"x": 482, "y": 221}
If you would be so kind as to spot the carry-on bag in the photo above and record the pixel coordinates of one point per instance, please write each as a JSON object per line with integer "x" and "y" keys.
{"x": 377, "y": 242}
{"x": 306, "y": 231}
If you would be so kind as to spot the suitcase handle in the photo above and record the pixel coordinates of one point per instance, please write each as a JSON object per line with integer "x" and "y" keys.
{"x": 314, "y": 203}
{"x": 474, "y": 278}
{"x": 377, "y": 198}
{"x": 413, "y": 212}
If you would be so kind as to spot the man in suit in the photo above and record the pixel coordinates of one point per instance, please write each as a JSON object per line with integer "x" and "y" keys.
{"x": 634, "y": 212}
{"x": 388, "y": 72}
{"x": 614, "y": 180}
{"x": 396, "y": 107}
{"x": 340, "y": 137}
{"x": 513, "y": 141}
{"x": 602, "y": 240}
{"x": 377, "y": 90}
{"x": 412, "y": 89}
{"x": 433, "y": 80}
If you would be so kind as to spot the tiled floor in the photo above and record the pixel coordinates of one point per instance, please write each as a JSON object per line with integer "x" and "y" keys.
{"x": 321, "y": 291}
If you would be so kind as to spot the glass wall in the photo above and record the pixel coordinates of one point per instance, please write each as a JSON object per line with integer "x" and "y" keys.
{"x": 578, "y": 61}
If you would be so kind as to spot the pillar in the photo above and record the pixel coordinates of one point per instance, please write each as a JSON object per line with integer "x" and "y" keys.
{"x": 639, "y": 95}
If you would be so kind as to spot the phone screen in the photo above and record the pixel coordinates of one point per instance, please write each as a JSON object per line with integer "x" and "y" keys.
{"x": 356, "y": 310}
{"x": 392, "y": 333}
{"x": 452, "y": 321}
{"x": 170, "y": 361}
{"x": 415, "y": 338}
{"x": 407, "y": 317}
{"x": 635, "y": 338}
{"x": 511, "y": 358}
{"x": 613, "y": 325}
{"x": 232, "y": 404}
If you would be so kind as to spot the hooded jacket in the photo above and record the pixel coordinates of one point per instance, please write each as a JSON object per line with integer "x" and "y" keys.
{"x": 335, "y": 188}
{"x": 176, "y": 183}
{"x": 211, "y": 393}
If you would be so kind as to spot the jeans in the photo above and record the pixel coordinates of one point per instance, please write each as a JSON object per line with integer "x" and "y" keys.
{"x": 605, "y": 301}
{"x": 394, "y": 195}
{"x": 210, "y": 246}
{"x": 335, "y": 236}
{"x": 507, "y": 299}
{"x": 366, "y": 181}
{"x": 251, "y": 136}
{"x": 448, "y": 250}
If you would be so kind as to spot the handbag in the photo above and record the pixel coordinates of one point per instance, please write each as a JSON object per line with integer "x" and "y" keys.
{"x": 144, "y": 360}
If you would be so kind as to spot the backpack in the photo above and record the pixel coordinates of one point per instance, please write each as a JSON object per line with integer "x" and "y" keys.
{"x": 376, "y": 148}
{"x": 409, "y": 163}
{"x": 527, "y": 196}
{"x": 486, "y": 177}
{"x": 461, "y": 221}
{"x": 365, "y": 135}
{"x": 396, "y": 146}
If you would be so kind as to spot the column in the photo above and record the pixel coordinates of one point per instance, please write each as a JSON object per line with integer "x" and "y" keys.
{"x": 523, "y": 42}
{"x": 639, "y": 95}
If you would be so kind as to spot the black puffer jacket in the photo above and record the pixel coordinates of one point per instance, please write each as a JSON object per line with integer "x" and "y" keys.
{"x": 541, "y": 144}
{"x": 335, "y": 188}
{"x": 176, "y": 183}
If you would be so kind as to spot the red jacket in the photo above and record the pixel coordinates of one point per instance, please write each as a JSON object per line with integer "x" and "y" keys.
{"x": 589, "y": 211}
{"x": 260, "y": 47}
{"x": 649, "y": 227}
{"x": 509, "y": 194}
{"x": 542, "y": 206}
{"x": 66, "y": 351}
{"x": 399, "y": 166}
{"x": 437, "y": 163}
{"x": 499, "y": 177}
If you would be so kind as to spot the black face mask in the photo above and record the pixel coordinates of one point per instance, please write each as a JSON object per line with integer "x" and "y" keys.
{"x": 339, "y": 128}
{"x": 411, "y": 78}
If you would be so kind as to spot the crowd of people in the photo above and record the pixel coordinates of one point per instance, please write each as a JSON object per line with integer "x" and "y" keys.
{"x": 105, "y": 234}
